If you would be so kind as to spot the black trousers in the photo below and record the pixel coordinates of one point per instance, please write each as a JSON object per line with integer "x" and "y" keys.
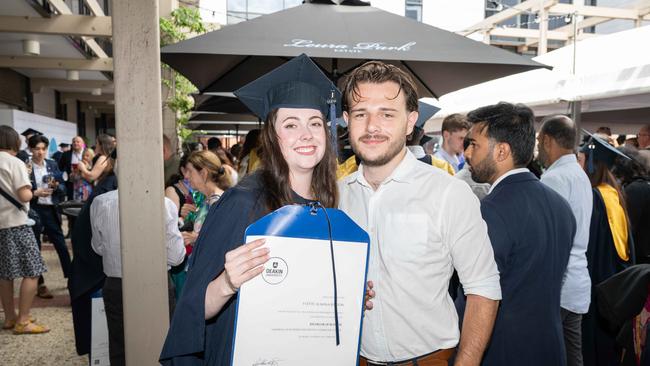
{"x": 51, "y": 225}
{"x": 114, "y": 319}
{"x": 572, "y": 326}
{"x": 112, "y": 293}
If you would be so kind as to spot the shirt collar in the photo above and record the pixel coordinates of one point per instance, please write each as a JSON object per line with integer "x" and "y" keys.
{"x": 402, "y": 172}
{"x": 563, "y": 160}
{"x": 452, "y": 158}
{"x": 417, "y": 150}
{"x": 506, "y": 175}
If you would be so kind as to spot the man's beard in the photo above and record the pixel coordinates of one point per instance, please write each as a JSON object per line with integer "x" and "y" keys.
{"x": 393, "y": 149}
{"x": 483, "y": 172}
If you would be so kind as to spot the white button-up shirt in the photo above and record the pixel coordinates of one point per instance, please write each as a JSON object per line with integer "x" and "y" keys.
{"x": 422, "y": 223}
{"x": 39, "y": 172}
{"x": 76, "y": 157}
{"x": 566, "y": 177}
{"x": 105, "y": 225}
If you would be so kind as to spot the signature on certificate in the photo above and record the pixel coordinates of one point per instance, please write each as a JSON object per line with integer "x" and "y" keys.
{"x": 265, "y": 362}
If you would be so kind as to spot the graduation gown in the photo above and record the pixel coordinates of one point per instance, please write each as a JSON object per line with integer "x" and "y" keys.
{"x": 191, "y": 339}
{"x": 621, "y": 299}
{"x": 598, "y": 342}
{"x": 87, "y": 273}
{"x": 637, "y": 194}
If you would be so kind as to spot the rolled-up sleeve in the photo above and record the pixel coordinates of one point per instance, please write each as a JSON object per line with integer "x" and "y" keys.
{"x": 173, "y": 237}
{"x": 96, "y": 240}
{"x": 469, "y": 244}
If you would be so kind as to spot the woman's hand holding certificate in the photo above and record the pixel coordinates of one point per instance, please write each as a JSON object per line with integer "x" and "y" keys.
{"x": 242, "y": 264}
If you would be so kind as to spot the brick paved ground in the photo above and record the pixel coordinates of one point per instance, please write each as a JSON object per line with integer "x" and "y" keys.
{"x": 57, "y": 346}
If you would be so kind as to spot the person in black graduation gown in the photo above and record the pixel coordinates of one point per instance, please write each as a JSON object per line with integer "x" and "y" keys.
{"x": 25, "y": 154}
{"x": 87, "y": 274}
{"x": 298, "y": 164}
{"x": 622, "y": 302}
{"x": 610, "y": 249}
{"x": 636, "y": 185}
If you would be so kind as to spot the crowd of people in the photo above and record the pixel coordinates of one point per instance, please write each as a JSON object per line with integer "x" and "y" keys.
{"x": 503, "y": 247}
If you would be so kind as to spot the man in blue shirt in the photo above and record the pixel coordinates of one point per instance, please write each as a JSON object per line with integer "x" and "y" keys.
{"x": 564, "y": 175}
{"x": 454, "y": 130}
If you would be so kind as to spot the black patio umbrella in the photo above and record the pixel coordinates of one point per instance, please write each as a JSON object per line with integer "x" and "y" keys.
{"x": 224, "y": 117}
{"x": 226, "y": 129}
{"x": 339, "y": 38}
{"x": 224, "y": 122}
{"x": 205, "y": 103}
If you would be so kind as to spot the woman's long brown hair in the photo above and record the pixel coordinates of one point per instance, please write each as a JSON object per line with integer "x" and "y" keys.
{"x": 275, "y": 170}
{"x": 602, "y": 175}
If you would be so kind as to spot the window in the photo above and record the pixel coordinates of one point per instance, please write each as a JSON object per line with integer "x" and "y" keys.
{"x": 240, "y": 10}
{"x": 414, "y": 9}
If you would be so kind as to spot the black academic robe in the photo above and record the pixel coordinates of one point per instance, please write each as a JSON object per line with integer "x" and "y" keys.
{"x": 598, "y": 342}
{"x": 23, "y": 155}
{"x": 87, "y": 274}
{"x": 191, "y": 339}
{"x": 637, "y": 198}
{"x": 531, "y": 229}
{"x": 620, "y": 299}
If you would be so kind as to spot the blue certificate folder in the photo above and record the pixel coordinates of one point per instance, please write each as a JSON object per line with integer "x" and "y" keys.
{"x": 285, "y": 316}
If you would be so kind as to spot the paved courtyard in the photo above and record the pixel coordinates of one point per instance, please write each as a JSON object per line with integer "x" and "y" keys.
{"x": 57, "y": 346}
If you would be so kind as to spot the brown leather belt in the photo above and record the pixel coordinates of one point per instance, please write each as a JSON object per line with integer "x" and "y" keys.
{"x": 437, "y": 358}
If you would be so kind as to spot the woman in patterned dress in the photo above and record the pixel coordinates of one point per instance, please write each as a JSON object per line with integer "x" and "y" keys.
{"x": 19, "y": 254}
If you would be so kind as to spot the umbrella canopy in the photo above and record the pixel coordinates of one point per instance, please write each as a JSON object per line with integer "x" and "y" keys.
{"x": 225, "y": 123}
{"x": 223, "y": 117}
{"x": 219, "y": 104}
{"x": 611, "y": 80}
{"x": 339, "y": 38}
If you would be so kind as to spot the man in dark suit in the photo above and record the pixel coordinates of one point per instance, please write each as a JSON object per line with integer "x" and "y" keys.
{"x": 531, "y": 228}
{"x": 47, "y": 185}
{"x": 63, "y": 147}
{"x": 68, "y": 163}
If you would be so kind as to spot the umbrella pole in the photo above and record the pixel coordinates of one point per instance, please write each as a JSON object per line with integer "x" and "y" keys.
{"x": 576, "y": 109}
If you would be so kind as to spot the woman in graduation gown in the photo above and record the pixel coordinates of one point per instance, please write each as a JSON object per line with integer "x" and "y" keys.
{"x": 298, "y": 166}
{"x": 610, "y": 248}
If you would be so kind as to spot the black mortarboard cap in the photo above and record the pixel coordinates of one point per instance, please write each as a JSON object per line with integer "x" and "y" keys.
{"x": 31, "y": 131}
{"x": 426, "y": 111}
{"x": 598, "y": 149}
{"x": 425, "y": 139}
{"x": 64, "y": 144}
{"x": 298, "y": 83}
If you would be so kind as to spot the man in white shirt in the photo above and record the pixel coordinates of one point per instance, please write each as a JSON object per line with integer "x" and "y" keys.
{"x": 69, "y": 162}
{"x": 422, "y": 223}
{"x": 556, "y": 144}
{"x": 105, "y": 224}
{"x": 48, "y": 191}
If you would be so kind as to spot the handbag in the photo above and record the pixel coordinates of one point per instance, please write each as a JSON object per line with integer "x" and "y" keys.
{"x": 30, "y": 213}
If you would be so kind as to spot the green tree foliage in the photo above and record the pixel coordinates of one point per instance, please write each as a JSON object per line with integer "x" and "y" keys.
{"x": 182, "y": 22}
